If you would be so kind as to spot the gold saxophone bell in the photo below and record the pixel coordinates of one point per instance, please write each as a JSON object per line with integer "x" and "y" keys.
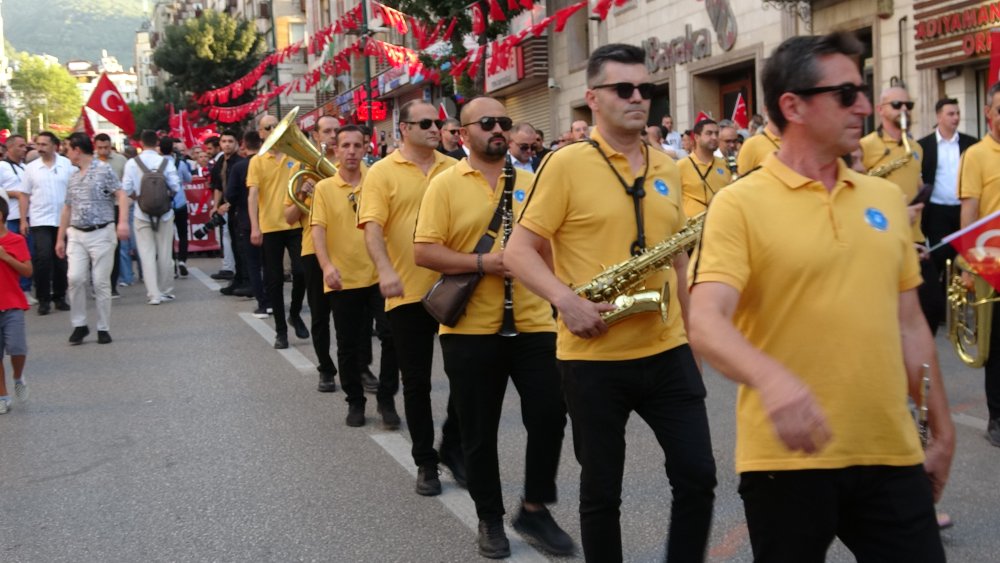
{"x": 287, "y": 138}
{"x": 970, "y": 314}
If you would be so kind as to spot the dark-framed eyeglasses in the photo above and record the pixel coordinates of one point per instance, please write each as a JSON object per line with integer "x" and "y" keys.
{"x": 488, "y": 123}
{"x": 425, "y": 124}
{"x": 896, "y": 104}
{"x": 847, "y": 92}
{"x": 526, "y": 147}
{"x": 624, "y": 90}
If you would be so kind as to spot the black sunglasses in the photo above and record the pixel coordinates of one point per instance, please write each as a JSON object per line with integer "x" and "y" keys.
{"x": 625, "y": 89}
{"x": 354, "y": 201}
{"x": 426, "y": 123}
{"x": 269, "y": 127}
{"x": 896, "y": 104}
{"x": 452, "y": 131}
{"x": 847, "y": 91}
{"x": 526, "y": 148}
{"x": 488, "y": 123}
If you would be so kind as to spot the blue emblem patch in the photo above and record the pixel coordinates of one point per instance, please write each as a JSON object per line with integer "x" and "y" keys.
{"x": 876, "y": 219}
{"x": 289, "y": 164}
{"x": 720, "y": 171}
{"x": 661, "y": 187}
{"x": 916, "y": 156}
{"x": 519, "y": 195}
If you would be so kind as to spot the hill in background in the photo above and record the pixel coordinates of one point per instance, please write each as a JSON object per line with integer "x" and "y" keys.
{"x": 74, "y": 29}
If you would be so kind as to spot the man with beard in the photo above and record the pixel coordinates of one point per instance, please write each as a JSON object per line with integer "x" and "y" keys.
{"x": 702, "y": 173}
{"x": 479, "y": 357}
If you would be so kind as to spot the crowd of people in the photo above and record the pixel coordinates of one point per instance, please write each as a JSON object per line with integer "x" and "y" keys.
{"x": 803, "y": 219}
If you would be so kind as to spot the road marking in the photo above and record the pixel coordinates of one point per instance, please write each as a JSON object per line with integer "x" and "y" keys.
{"x": 204, "y": 278}
{"x": 453, "y": 498}
{"x": 294, "y": 357}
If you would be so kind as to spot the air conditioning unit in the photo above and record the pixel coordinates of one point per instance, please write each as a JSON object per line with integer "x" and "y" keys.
{"x": 264, "y": 10}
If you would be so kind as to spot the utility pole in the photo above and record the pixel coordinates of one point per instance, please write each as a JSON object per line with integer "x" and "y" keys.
{"x": 274, "y": 47}
{"x": 366, "y": 33}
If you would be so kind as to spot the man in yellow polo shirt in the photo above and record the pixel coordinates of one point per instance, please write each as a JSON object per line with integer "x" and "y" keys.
{"x": 884, "y": 148}
{"x": 387, "y": 211}
{"x": 979, "y": 190}
{"x": 349, "y": 281}
{"x": 756, "y": 148}
{"x": 319, "y": 311}
{"x": 457, "y": 209}
{"x": 804, "y": 293}
{"x": 583, "y": 202}
{"x": 267, "y": 182}
{"x": 702, "y": 173}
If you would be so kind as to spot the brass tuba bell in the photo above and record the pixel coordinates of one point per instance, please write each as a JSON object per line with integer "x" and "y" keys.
{"x": 970, "y": 314}
{"x": 287, "y": 138}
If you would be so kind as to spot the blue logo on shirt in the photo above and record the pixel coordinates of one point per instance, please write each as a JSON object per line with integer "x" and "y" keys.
{"x": 519, "y": 195}
{"x": 916, "y": 156}
{"x": 720, "y": 171}
{"x": 661, "y": 187}
{"x": 876, "y": 219}
{"x": 290, "y": 164}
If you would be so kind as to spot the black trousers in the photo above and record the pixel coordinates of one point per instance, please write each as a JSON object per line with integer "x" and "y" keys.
{"x": 350, "y": 311}
{"x": 50, "y": 270}
{"x": 937, "y": 222}
{"x": 240, "y": 277}
{"x": 274, "y": 248}
{"x": 478, "y": 367}
{"x": 881, "y": 513}
{"x": 992, "y": 382}
{"x": 413, "y": 332}
{"x": 181, "y": 222}
{"x": 667, "y": 391}
{"x": 319, "y": 310}
{"x": 931, "y": 294}
{"x": 254, "y": 267}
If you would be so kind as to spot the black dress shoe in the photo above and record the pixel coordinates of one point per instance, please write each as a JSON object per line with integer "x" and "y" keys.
{"x": 243, "y": 291}
{"x": 541, "y": 530}
{"x": 993, "y": 432}
{"x": 428, "y": 484}
{"x": 300, "y": 327}
{"x": 44, "y": 308}
{"x": 454, "y": 460}
{"x": 368, "y": 380}
{"x": 61, "y": 305}
{"x": 228, "y": 290}
{"x": 326, "y": 383}
{"x": 222, "y": 275}
{"x": 493, "y": 542}
{"x": 103, "y": 337}
{"x": 390, "y": 418}
{"x": 280, "y": 341}
{"x": 356, "y": 415}
{"x": 78, "y": 334}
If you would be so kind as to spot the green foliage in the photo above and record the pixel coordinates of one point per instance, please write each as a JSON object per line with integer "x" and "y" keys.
{"x": 5, "y": 122}
{"x": 209, "y": 52}
{"x": 45, "y": 89}
{"x": 154, "y": 114}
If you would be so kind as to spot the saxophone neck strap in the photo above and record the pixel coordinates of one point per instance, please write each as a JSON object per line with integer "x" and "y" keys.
{"x": 636, "y": 191}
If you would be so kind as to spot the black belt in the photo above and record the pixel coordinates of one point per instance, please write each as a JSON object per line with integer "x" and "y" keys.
{"x": 92, "y": 227}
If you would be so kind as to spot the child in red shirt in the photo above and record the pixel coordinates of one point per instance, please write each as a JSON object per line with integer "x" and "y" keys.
{"x": 14, "y": 262}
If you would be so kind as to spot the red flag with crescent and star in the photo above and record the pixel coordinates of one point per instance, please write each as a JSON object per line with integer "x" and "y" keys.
{"x": 979, "y": 244}
{"x": 107, "y": 101}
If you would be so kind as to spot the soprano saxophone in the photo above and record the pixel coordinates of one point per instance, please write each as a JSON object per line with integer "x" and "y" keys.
{"x": 890, "y": 167}
{"x": 618, "y": 284}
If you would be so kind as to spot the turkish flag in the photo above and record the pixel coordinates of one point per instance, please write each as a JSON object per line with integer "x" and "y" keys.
{"x": 88, "y": 127}
{"x": 109, "y": 103}
{"x": 740, "y": 117}
{"x": 979, "y": 244}
{"x": 701, "y": 116}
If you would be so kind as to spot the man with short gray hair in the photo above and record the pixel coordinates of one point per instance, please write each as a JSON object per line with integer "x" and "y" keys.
{"x": 522, "y": 146}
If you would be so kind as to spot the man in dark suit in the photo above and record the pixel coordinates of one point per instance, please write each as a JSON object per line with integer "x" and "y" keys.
{"x": 942, "y": 150}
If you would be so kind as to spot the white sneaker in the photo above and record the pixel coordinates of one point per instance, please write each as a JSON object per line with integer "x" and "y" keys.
{"x": 154, "y": 301}
{"x": 31, "y": 298}
{"x": 4, "y": 405}
{"x": 168, "y": 297}
{"x": 21, "y": 390}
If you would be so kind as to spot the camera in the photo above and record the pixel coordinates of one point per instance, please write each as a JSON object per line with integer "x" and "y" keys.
{"x": 216, "y": 221}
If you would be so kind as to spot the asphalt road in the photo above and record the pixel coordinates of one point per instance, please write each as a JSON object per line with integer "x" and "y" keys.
{"x": 190, "y": 439}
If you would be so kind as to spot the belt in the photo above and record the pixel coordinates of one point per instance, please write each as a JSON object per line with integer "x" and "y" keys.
{"x": 92, "y": 227}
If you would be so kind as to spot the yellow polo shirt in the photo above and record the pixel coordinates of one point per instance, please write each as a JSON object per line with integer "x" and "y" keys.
{"x": 270, "y": 174}
{"x": 334, "y": 209}
{"x": 819, "y": 275}
{"x": 701, "y": 181}
{"x": 457, "y": 209}
{"x": 307, "y": 243}
{"x": 578, "y": 204}
{"x": 878, "y": 150}
{"x": 754, "y": 150}
{"x": 390, "y": 197}
{"x": 979, "y": 175}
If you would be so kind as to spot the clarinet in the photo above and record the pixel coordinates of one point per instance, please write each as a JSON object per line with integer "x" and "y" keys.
{"x": 923, "y": 428}
{"x": 731, "y": 164}
{"x": 507, "y": 328}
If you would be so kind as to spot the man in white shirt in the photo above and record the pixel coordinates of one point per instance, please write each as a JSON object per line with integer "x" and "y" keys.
{"x": 155, "y": 245}
{"x": 43, "y": 191}
{"x": 522, "y": 146}
{"x": 11, "y": 170}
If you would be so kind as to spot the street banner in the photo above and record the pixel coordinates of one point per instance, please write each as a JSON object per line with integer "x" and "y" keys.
{"x": 199, "y": 204}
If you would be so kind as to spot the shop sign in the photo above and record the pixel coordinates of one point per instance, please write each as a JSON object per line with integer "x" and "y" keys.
{"x": 392, "y": 79}
{"x": 693, "y": 45}
{"x": 969, "y": 28}
{"x": 503, "y": 77}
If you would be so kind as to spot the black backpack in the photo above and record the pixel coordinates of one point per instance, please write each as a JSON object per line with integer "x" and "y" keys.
{"x": 155, "y": 196}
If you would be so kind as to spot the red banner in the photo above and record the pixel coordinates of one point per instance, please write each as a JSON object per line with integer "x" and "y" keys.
{"x": 199, "y": 202}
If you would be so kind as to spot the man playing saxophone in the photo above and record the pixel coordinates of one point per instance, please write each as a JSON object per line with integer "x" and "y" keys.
{"x": 979, "y": 190}
{"x": 598, "y": 203}
{"x": 892, "y": 153}
{"x": 483, "y": 350}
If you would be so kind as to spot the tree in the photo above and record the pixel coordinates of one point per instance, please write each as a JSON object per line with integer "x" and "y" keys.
{"x": 5, "y": 122}
{"x": 208, "y": 52}
{"x": 154, "y": 114}
{"x": 45, "y": 89}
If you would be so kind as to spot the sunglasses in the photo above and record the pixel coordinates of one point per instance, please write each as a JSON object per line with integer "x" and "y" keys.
{"x": 896, "y": 104}
{"x": 425, "y": 124}
{"x": 452, "y": 131}
{"x": 526, "y": 148}
{"x": 626, "y": 89}
{"x": 847, "y": 91}
{"x": 269, "y": 127}
{"x": 488, "y": 123}
{"x": 353, "y": 200}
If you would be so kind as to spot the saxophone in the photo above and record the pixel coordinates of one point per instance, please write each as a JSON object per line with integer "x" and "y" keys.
{"x": 616, "y": 284}
{"x": 890, "y": 167}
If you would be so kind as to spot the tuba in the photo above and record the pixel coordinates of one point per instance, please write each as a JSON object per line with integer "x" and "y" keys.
{"x": 287, "y": 138}
{"x": 970, "y": 314}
